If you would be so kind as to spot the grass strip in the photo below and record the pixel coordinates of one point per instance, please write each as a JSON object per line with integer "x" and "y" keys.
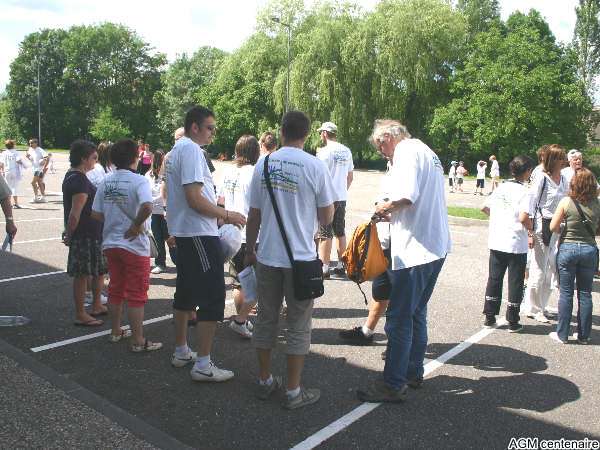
{"x": 469, "y": 213}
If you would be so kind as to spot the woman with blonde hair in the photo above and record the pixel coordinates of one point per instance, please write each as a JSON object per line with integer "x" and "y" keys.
{"x": 547, "y": 190}
{"x": 577, "y": 254}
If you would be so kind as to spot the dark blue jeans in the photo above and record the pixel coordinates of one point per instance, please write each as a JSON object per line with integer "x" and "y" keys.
{"x": 576, "y": 261}
{"x": 161, "y": 233}
{"x": 406, "y": 322}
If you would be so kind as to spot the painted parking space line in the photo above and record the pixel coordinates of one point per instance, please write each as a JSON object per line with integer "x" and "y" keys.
{"x": 365, "y": 408}
{"x": 37, "y": 275}
{"x": 38, "y": 240}
{"x": 87, "y": 337}
{"x": 35, "y": 220}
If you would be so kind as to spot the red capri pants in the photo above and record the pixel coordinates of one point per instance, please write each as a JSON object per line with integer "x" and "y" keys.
{"x": 129, "y": 277}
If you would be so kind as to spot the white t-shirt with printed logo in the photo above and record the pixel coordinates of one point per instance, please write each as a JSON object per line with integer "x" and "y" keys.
{"x": 186, "y": 164}
{"x": 119, "y": 197}
{"x": 506, "y": 233}
{"x": 13, "y": 162}
{"x": 301, "y": 184}
{"x": 36, "y": 154}
{"x": 235, "y": 190}
{"x": 419, "y": 232}
{"x": 338, "y": 159}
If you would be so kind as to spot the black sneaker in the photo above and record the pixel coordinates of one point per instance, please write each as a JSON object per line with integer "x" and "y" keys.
{"x": 355, "y": 336}
{"x": 327, "y": 275}
{"x": 380, "y": 392}
{"x": 514, "y": 327}
{"x": 490, "y": 322}
{"x": 417, "y": 383}
{"x": 339, "y": 273}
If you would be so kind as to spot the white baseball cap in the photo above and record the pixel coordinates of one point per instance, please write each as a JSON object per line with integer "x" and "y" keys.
{"x": 328, "y": 126}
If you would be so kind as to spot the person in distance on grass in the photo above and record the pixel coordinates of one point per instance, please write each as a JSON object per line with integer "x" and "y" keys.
{"x": 39, "y": 165}
{"x": 124, "y": 204}
{"x": 338, "y": 159}
{"x": 494, "y": 173}
{"x": 461, "y": 173}
{"x": 452, "y": 176}
{"x": 508, "y": 208}
{"x": 192, "y": 215}
{"x": 481, "y": 166}
{"x": 303, "y": 193}
{"x": 83, "y": 233}
{"x": 420, "y": 241}
{"x": 233, "y": 195}
{"x": 5, "y": 193}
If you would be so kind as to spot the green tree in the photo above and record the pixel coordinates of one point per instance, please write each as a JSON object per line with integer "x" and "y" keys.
{"x": 106, "y": 127}
{"x": 517, "y": 90}
{"x": 586, "y": 42}
{"x": 480, "y": 14}
{"x": 8, "y": 123}
{"x": 181, "y": 86}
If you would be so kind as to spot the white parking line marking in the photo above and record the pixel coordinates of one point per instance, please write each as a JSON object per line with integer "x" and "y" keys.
{"x": 345, "y": 421}
{"x": 38, "y": 240}
{"x": 6, "y": 280}
{"x": 87, "y": 337}
{"x": 35, "y": 220}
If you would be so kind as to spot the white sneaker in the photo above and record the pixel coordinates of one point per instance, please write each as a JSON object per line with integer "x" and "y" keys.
{"x": 211, "y": 374}
{"x": 540, "y": 317}
{"x": 182, "y": 361}
{"x": 554, "y": 337}
{"x": 158, "y": 269}
{"x": 42, "y": 199}
{"x": 89, "y": 298}
{"x": 249, "y": 325}
{"x": 34, "y": 200}
{"x": 242, "y": 330}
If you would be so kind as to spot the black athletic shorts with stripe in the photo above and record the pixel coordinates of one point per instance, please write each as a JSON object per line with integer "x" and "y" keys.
{"x": 200, "y": 280}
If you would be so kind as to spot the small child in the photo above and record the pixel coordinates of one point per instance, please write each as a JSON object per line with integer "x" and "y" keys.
{"x": 452, "y": 175}
{"x": 461, "y": 172}
{"x": 51, "y": 163}
{"x": 508, "y": 208}
{"x": 481, "y": 166}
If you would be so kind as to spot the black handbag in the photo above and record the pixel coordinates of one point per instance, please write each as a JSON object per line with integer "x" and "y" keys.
{"x": 546, "y": 232}
{"x": 308, "y": 275}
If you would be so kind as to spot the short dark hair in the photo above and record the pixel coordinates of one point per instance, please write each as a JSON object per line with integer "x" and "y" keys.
{"x": 269, "y": 140}
{"x": 247, "y": 150}
{"x": 295, "y": 125}
{"x": 519, "y": 165}
{"x": 80, "y": 150}
{"x": 124, "y": 153}
{"x": 196, "y": 115}
{"x": 9, "y": 143}
{"x": 157, "y": 161}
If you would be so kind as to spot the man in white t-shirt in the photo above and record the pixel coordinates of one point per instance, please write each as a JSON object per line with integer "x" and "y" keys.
{"x": 192, "y": 215}
{"x": 39, "y": 164}
{"x": 338, "y": 159}
{"x": 11, "y": 166}
{"x": 303, "y": 192}
{"x": 420, "y": 241}
{"x": 575, "y": 159}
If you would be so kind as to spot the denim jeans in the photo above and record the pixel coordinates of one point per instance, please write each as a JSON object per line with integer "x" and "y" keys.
{"x": 576, "y": 261}
{"x": 406, "y": 322}
{"x": 161, "y": 233}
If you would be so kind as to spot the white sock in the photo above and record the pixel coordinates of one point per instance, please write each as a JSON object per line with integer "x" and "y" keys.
{"x": 182, "y": 350}
{"x": 267, "y": 382}
{"x": 367, "y": 331}
{"x": 325, "y": 268}
{"x": 293, "y": 393}
{"x": 202, "y": 362}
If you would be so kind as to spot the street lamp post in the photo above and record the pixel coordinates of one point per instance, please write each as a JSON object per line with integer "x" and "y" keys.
{"x": 39, "y": 103}
{"x": 289, "y": 42}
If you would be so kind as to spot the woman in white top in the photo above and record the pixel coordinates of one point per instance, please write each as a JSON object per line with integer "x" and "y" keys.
{"x": 233, "y": 195}
{"x": 103, "y": 167}
{"x": 452, "y": 175}
{"x": 494, "y": 172}
{"x": 546, "y": 192}
{"x": 12, "y": 165}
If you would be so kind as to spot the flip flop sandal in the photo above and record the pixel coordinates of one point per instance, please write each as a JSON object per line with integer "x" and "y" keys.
{"x": 146, "y": 347}
{"x": 89, "y": 323}
{"x": 124, "y": 334}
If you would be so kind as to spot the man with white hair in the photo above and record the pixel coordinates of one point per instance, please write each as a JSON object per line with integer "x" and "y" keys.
{"x": 420, "y": 241}
{"x": 575, "y": 159}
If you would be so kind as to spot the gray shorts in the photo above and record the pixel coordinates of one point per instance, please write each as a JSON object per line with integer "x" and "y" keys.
{"x": 273, "y": 284}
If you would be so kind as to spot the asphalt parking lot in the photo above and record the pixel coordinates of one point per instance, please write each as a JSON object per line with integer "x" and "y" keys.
{"x": 66, "y": 386}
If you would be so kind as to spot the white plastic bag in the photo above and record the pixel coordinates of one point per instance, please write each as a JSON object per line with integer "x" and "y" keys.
{"x": 247, "y": 279}
{"x": 231, "y": 240}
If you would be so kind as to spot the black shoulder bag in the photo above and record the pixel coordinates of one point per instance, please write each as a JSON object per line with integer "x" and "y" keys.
{"x": 308, "y": 275}
{"x": 546, "y": 233}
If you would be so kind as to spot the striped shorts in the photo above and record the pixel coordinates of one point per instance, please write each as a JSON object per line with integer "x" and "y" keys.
{"x": 200, "y": 279}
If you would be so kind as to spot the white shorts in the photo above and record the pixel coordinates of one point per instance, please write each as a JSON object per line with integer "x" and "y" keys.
{"x": 13, "y": 182}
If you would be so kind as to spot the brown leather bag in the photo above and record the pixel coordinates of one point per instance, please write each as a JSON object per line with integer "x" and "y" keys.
{"x": 364, "y": 259}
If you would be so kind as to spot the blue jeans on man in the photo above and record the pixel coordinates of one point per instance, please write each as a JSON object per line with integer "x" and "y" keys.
{"x": 406, "y": 322}
{"x": 576, "y": 261}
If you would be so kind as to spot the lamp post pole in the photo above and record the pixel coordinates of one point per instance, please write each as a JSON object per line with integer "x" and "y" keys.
{"x": 39, "y": 103}
{"x": 289, "y": 52}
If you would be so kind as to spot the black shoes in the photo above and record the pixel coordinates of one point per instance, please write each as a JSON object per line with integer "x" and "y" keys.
{"x": 355, "y": 336}
{"x": 490, "y": 322}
